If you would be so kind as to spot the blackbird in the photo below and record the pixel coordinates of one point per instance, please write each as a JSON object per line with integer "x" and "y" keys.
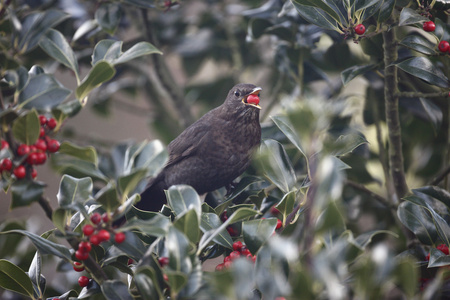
{"x": 213, "y": 151}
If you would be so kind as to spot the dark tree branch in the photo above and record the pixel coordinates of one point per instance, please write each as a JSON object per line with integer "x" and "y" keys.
{"x": 421, "y": 95}
{"x": 392, "y": 113}
{"x": 441, "y": 176}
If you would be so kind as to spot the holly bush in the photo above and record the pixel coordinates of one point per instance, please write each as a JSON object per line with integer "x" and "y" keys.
{"x": 347, "y": 196}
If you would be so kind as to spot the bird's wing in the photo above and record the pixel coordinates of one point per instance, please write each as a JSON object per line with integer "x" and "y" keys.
{"x": 187, "y": 142}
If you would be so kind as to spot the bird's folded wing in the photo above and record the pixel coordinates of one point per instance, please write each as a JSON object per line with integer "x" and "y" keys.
{"x": 187, "y": 143}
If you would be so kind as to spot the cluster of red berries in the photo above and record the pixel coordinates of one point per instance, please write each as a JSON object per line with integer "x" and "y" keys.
{"x": 239, "y": 250}
{"x": 32, "y": 155}
{"x": 443, "y": 46}
{"x": 97, "y": 234}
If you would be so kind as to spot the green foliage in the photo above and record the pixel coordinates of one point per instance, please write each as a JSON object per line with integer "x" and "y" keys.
{"x": 347, "y": 126}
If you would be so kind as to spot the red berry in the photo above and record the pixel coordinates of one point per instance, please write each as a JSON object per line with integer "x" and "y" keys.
{"x": 80, "y": 255}
{"x": 85, "y": 246}
{"x": 42, "y": 119}
{"x": 360, "y": 29}
{"x": 220, "y": 267}
{"x": 279, "y": 224}
{"x": 245, "y": 252}
{"x": 4, "y": 145}
{"x": 274, "y": 211}
{"x": 20, "y": 172}
{"x": 95, "y": 240}
{"x": 227, "y": 264}
{"x": 33, "y": 173}
{"x": 51, "y": 123}
{"x": 224, "y": 216}
{"x": 96, "y": 218}
{"x": 280, "y": 298}
{"x": 53, "y": 146}
{"x": 41, "y": 132}
{"x": 119, "y": 237}
{"x": 443, "y": 248}
{"x": 163, "y": 261}
{"x": 83, "y": 281}
{"x": 41, "y": 145}
{"x": 6, "y": 164}
{"x": 32, "y": 158}
{"x": 23, "y": 149}
{"x": 104, "y": 235}
{"x": 429, "y": 26}
{"x": 105, "y": 217}
{"x": 130, "y": 261}
{"x": 88, "y": 229}
{"x": 227, "y": 258}
{"x": 427, "y": 258}
{"x": 237, "y": 246}
{"x": 251, "y": 257}
{"x": 234, "y": 255}
{"x": 77, "y": 266}
{"x": 444, "y": 46}
{"x": 165, "y": 277}
{"x": 253, "y": 99}
{"x": 41, "y": 158}
{"x": 232, "y": 231}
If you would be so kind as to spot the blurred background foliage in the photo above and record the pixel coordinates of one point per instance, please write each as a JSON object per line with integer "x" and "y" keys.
{"x": 325, "y": 162}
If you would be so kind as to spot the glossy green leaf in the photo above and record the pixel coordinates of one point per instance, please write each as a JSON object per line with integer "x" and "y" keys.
{"x": 330, "y": 178}
{"x": 43, "y": 245}
{"x": 276, "y": 164}
{"x": 410, "y": 16}
{"x": 441, "y": 225}
{"x": 153, "y": 157}
{"x": 177, "y": 280}
{"x": 349, "y": 74}
{"x": 317, "y": 16}
{"x": 137, "y": 50}
{"x": 72, "y": 190}
{"x": 108, "y": 16}
{"x": 182, "y": 198}
{"x": 108, "y": 197}
{"x": 211, "y": 221}
{"x": 419, "y": 221}
{"x": 438, "y": 259}
{"x": 178, "y": 246}
{"x": 14, "y": 279}
{"x": 115, "y": 290}
{"x": 108, "y": 50}
{"x": 257, "y": 232}
{"x": 286, "y": 205}
{"x": 59, "y": 219}
{"x": 100, "y": 73}
{"x": 141, "y": 3}
{"x": 133, "y": 245}
{"x": 418, "y": 43}
{"x": 43, "y": 92}
{"x": 55, "y": 45}
{"x": 26, "y": 128}
{"x": 385, "y": 10}
{"x": 129, "y": 182}
{"x": 188, "y": 224}
{"x": 24, "y": 192}
{"x": 287, "y": 128}
{"x": 111, "y": 51}
{"x": 158, "y": 225}
{"x": 423, "y": 68}
{"x": 319, "y": 6}
{"x": 88, "y": 153}
{"x": 435, "y": 192}
{"x": 147, "y": 283}
{"x": 35, "y": 25}
{"x": 34, "y": 272}
{"x": 347, "y": 143}
{"x": 78, "y": 168}
{"x": 12, "y": 240}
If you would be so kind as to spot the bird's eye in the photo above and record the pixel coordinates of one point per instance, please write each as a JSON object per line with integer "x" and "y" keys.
{"x": 237, "y": 94}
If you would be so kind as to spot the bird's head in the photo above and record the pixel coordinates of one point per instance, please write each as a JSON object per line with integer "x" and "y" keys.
{"x": 246, "y": 94}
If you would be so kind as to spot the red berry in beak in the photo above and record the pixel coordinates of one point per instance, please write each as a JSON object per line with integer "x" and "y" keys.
{"x": 253, "y": 99}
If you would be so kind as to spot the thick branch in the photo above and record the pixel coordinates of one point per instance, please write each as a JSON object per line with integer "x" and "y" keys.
{"x": 392, "y": 113}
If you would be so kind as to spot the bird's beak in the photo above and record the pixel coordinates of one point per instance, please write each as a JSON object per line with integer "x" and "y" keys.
{"x": 255, "y": 91}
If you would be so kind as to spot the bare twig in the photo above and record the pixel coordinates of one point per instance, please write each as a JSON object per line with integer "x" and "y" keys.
{"x": 421, "y": 95}
{"x": 441, "y": 176}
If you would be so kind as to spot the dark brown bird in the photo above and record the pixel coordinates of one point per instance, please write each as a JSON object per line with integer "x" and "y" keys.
{"x": 213, "y": 151}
